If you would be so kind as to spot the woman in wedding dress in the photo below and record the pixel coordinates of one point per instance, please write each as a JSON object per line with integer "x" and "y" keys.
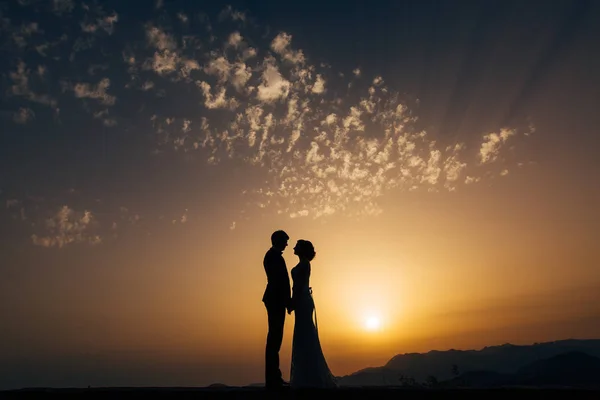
{"x": 309, "y": 368}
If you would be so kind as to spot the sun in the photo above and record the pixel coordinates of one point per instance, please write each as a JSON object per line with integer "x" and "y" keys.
{"x": 372, "y": 323}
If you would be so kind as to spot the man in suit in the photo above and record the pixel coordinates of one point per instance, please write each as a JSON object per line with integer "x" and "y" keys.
{"x": 277, "y": 299}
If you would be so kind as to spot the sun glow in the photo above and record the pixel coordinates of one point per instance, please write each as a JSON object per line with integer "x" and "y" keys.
{"x": 372, "y": 323}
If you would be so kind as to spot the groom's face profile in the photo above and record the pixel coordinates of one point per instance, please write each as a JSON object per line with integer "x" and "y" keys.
{"x": 283, "y": 244}
{"x": 279, "y": 240}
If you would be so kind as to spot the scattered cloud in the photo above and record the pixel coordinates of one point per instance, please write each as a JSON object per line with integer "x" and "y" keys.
{"x": 233, "y": 14}
{"x": 273, "y": 86}
{"x": 91, "y": 91}
{"x": 106, "y": 23}
{"x": 20, "y": 87}
{"x": 61, "y": 7}
{"x": 168, "y": 59}
{"x": 492, "y": 143}
{"x": 23, "y": 115}
{"x": 65, "y": 227}
{"x": 328, "y": 142}
{"x": 282, "y": 46}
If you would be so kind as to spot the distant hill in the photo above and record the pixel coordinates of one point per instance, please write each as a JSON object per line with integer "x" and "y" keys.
{"x": 490, "y": 365}
{"x": 573, "y": 368}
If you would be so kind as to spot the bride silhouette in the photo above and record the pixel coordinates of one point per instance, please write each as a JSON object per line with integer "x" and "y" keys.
{"x": 309, "y": 368}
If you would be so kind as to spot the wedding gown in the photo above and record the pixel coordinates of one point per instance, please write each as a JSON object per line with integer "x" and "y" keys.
{"x": 309, "y": 368}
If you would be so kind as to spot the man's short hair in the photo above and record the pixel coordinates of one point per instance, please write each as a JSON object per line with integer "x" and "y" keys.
{"x": 279, "y": 236}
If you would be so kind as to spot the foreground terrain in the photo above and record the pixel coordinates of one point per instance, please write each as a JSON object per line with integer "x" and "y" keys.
{"x": 344, "y": 392}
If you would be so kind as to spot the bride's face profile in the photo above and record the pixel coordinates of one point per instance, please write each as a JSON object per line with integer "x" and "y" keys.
{"x": 303, "y": 250}
{"x": 298, "y": 248}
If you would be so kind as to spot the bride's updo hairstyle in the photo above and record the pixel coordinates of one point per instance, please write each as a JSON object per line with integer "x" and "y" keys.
{"x": 306, "y": 249}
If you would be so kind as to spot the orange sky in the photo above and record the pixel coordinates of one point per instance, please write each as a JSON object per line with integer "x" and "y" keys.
{"x": 439, "y": 273}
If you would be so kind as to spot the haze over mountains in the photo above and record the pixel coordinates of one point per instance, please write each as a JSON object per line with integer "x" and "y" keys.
{"x": 565, "y": 362}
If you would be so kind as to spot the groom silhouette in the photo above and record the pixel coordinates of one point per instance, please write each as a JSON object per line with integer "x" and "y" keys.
{"x": 277, "y": 299}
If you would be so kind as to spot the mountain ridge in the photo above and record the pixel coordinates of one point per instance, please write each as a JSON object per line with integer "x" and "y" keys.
{"x": 444, "y": 365}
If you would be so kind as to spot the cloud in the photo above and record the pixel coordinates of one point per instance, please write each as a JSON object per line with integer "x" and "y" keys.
{"x": 106, "y": 23}
{"x": 324, "y": 154}
{"x": 160, "y": 39}
{"x": 220, "y": 67}
{"x": 233, "y": 14}
{"x": 61, "y": 7}
{"x": 319, "y": 86}
{"x": 218, "y": 99}
{"x": 328, "y": 142}
{"x": 65, "y": 227}
{"x": 282, "y": 46}
{"x": 21, "y": 86}
{"x": 235, "y": 39}
{"x": 167, "y": 59}
{"x": 492, "y": 143}
{"x": 20, "y": 35}
{"x": 23, "y": 115}
{"x": 273, "y": 86}
{"x": 96, "y": 92}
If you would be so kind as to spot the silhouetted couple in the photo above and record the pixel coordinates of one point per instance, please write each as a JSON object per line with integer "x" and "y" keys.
{"x": 309, "y": 368}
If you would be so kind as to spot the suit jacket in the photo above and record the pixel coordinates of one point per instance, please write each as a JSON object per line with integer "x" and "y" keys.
{"x": 278, "y": 281}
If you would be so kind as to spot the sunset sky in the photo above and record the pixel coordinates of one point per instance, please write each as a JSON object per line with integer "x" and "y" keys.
{"x": 442, "y": 156}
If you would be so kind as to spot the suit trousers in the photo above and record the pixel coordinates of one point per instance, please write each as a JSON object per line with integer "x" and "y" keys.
{"x": 276, "y": 317}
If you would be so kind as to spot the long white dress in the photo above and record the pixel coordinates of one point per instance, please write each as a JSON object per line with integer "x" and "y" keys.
{"x": 309, "y": 368}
